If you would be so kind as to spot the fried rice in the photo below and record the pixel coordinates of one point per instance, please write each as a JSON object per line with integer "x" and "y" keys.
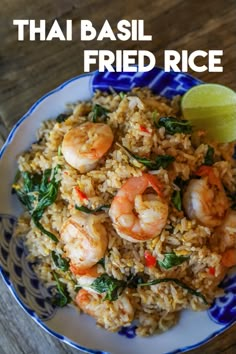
{"x": 131, "y": 117}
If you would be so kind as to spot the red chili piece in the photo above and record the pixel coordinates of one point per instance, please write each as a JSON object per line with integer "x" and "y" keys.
{"x": 150, "y": 261}
{"x": 81, "y": 194}
{"x": 144, "y": 129}
{"x": 212, "y": 271}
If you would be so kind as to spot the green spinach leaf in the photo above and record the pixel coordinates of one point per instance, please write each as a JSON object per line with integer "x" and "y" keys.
{"x": 60, "y": 262}
{"x": 28, "y": 193}
{"x": 177, "y": 194}
{"x": 62, "y": 298}
{"x": 109, "y": 285}
{"x": 40, "y": 190}
{"x": 154, "y": 164}
{"x": 159, "y": 161}
{"x": 99, "y": 111}
{"x": 176, "y": 200}
{"x": 47, "y": 192}
{"x": 173, "y": 125}
{"x": 135, "y": 280}
{"x": 209, "y": 158}
{"x": 171, "y": 260}
{"x": 179, "y": 283}
{"x": 45, "y": 231}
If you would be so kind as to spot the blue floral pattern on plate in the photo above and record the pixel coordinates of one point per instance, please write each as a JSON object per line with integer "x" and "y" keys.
{"x": 166, "y": 84}
{"x": 16, "y": 267}
{"x": 223, "y": 310}
{"x": 129, "y": 331}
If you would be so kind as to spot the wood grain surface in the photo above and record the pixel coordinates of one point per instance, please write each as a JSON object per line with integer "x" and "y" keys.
{"x": 30, "y": 69}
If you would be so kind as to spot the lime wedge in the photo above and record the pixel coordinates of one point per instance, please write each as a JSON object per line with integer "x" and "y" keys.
{"x": 211, "y": 107}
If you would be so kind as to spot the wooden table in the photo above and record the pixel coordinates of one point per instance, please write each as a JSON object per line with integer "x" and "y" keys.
{"x": 30, "y": 69}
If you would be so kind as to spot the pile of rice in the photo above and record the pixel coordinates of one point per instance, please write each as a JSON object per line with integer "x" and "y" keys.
{"x": 157, "y": 307}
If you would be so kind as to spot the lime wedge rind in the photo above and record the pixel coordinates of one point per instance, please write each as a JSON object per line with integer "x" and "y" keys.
{"x": 211, "y": 107}
{"x": 217, "y": 94}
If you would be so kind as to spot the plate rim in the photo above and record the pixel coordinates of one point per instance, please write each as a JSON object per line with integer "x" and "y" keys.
{"x": 8, "y": 282}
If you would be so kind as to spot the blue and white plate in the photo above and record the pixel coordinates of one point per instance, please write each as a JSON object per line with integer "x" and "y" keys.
{"x": 78, "y": 330}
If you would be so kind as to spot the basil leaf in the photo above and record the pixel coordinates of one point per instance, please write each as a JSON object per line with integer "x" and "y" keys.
{"x": 44, "y": 231}
{"x": 134, "y": 281}
{"x": 84, "y": 209}
{"x": 171, "y": 260}
{"x": 62, "y": 298}
{"x": 47, "y": 192}
{"x": 209, "y": 158}
{"x": 164, "y": 161}
{"x": 177, "y": 194}
{"x": 59, "y": 261}
{"x": 173, "y": 125}
{"x": 62, "y": 118}
{"x": 176, "y": 200}
{"x": 91, "y": 211}
{"x": 179, "y": 283}
{"x": 158, "y": 162}
{"x": 42, "y": 189}
{"x": 109, "y": 285}
{"x": 102, "y": 208}
{"x": 26, "y": 193}
{"x": 99, "y": 111}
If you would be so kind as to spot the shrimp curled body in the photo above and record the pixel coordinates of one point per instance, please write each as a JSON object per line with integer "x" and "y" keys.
{"x": 205, "y": 202}
{"x": 138, "y": 217}
{"x": 83, "y": 146}
{"x": 226, "y": 233}
{"x": 85, "y": 240}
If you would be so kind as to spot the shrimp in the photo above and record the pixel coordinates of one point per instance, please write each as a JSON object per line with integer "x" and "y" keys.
{"x": 139, "y": 217}
{"x": 86, "y": 277}
{"x": 229, "y": 258}
{"x": 226, "y": 234}
{"x": 85, "y": 240}
{"x": 205, "y": 199}
{"x": 119, "y": 312}
{"x": 83, "y": 146}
